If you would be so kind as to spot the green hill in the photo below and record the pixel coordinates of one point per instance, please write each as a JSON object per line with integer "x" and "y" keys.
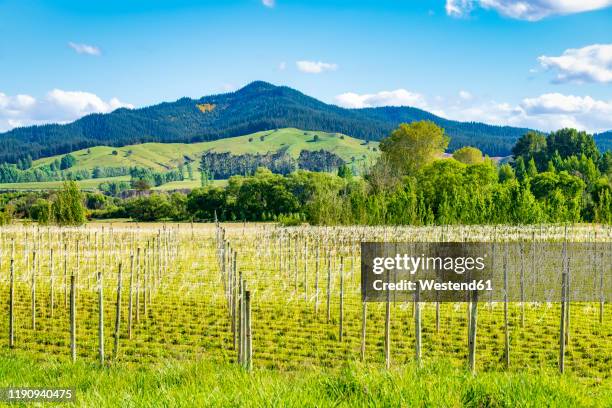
{"x": 165, "y": 156}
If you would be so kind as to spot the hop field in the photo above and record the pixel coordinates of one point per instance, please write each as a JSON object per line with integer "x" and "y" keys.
{"x": 178, "y": 291}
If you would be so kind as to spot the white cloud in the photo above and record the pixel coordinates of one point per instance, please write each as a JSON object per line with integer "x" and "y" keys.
{"x": 58, "y": 106}
{"x": 399, "y": 97}
{"x": 85, "y": 49}
{"x": 592, "y": 63}
{"x": 315, "y": 67}
{"x": 459, "y": 8}
{"x": 282, "y": 66}
{"x": 465, "y": 95}
{"x": 530, "y": 10}
{"x": 268, "y": 3}
{"x": 550, "y": 111}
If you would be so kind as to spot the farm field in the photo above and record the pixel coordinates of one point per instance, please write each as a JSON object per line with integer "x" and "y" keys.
{"x": 92, "y": 184}
{"x": 178, "y": 319}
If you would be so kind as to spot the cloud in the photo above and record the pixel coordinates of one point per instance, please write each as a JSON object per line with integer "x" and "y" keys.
{"x": 85, "y": 49}
{"x": 315, "y": 67}
{"x": 282, "y": 66}
{"x": 465, "y": 95}
{"x": 268, "y": 3}
{"x": 549, "y": 111}
{"x": 57, "y": 106}
{"x": 530, "y": 10}
{"x": 592, "y": 63}
{"x": 399, "y": 97}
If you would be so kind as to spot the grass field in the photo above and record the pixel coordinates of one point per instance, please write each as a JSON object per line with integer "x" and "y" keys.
{"x": 163, "y": 156}
{"x": 92, "y": 184}
{"x": 181, "y": 350}
{"x": 206, "y": 384}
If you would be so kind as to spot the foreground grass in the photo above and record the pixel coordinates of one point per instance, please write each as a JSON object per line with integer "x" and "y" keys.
{"x": 191, "y": 384}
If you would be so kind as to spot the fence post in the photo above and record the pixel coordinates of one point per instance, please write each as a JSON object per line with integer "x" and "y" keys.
{"x": 417, "y": 325}
{"x": 130, "y": 296}
{"x": 562, "y": 325}
{"x": 388, "y": 328}
{"x": 52, "y": 273}
{"x": 364, "y": 317}
{"x": 473, "y": 330}
{"x": 506, "y": 324}
{"x": 328, "y": 286}
{"x": 73, "y": 351}
{"x": 249, "y": 334}
{"x": 34, "y": 290}
{"x": 117, "y": 314}
{"x": 341, "y": 298}
{"x": 100, "y": 318}
{"x": 12, "y": 306}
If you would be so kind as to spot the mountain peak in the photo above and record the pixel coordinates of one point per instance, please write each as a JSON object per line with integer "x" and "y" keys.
{"x": 257, "y": 86}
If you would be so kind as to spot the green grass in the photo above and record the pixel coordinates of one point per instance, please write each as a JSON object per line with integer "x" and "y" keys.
{"x": 181, "y": 351}
{"x": 202, "y": 384}
{"x": 163, "y": 156}
{"x": 89, "y": 184}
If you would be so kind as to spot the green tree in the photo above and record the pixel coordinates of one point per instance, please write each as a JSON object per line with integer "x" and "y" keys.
{"x": 67, "y": 161}
{"x": 412, "y": 146}
{"x": 532, "y": 145}
{"x": 506, "y": 173}
{"x": 468, "y": 155}
{"x": 68, "y": 208}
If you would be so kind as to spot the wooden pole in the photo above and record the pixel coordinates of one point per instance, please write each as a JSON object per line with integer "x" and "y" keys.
{"x": 388, "y": 328}
{"x": 130, "y": 296}
{"x": 137, "y": 285}
{"x": 506, "y": 323}
{"x": 417, "y": 326}
{"x": 341, "y": 299}
{"x": 117, "y": 314}
{"x": 73, "y": 351}
{"x": 562, "y": 325}
{"x": 12, "y": 306}
{"x": 100, "y": 318}
{"x": 364, "y": 317}
{"x": 328, "y": 287}
{"x": 473, "y": 330}
{"x": 52, "y": 273}
{"x": 34, "y": 290}
{"x": 249, "y": 334}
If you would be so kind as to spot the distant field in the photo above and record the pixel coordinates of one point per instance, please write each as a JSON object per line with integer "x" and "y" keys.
{"x": 91, "y": 184}
{"x": 163, "y": 156}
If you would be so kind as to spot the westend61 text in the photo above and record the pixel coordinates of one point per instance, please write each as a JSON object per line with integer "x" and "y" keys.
{"x": 430, "y": 284}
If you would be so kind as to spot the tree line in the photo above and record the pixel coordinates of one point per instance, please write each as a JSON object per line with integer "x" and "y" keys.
{"x": 559, "y": 177}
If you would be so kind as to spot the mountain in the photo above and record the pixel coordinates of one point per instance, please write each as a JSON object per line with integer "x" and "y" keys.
{"x": 256, "y": 107}
{"x": 604, "y": 140}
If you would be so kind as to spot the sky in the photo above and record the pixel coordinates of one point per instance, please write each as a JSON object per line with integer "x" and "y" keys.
{"x": 544, "y": 64}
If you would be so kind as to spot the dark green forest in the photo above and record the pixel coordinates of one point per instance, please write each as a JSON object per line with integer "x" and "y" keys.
{"x": 559, "y": 177}
{"x": 256, "y": 107}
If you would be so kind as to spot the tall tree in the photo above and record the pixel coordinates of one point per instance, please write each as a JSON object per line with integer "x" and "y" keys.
{"x": 412, "y": 146}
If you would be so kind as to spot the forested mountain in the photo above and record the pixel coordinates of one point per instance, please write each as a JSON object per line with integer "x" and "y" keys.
{"x": 604, "y": 140}
{"x": 258, "y": 106}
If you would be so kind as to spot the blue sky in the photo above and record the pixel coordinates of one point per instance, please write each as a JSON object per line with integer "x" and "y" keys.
{"x": 540, "y": 63}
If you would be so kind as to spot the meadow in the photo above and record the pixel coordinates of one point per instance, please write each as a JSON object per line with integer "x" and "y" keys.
{"x": 169, "y": 330}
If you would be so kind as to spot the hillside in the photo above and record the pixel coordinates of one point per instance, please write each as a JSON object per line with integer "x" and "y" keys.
{"x": 257, "y": 107}
{"x": 604, "y": 140}
{"x": 164, "y": 156}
